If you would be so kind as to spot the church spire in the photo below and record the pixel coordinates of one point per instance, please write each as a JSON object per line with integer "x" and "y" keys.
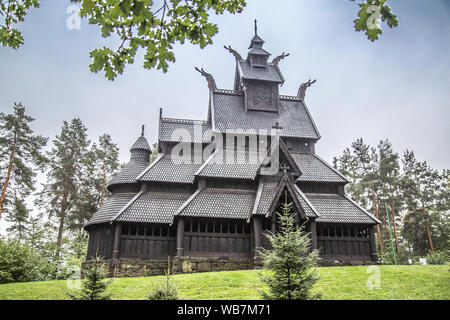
{"x": 257, "y": 56}
{"x": 256, "y": 41}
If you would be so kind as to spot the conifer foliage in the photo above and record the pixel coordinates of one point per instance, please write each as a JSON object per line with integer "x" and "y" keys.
{"x": 291, "y": 262}
{"x": 95, "y": 284}
{"x": 166, "y": 289}
{"x": 20, "y": 155}
{"x": 415, "y": 196}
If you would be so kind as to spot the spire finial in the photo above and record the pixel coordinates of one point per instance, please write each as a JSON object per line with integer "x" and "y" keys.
{"x": 256, "y": 28}
{"x": 142, "y": 134}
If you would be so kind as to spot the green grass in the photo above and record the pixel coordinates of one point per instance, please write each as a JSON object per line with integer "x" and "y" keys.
{"x": 397, "y": 282}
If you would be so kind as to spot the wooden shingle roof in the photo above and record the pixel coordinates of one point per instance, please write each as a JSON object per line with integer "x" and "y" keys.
{"x": 228, "y": 112}
{"x": 334, "y": 208}
{"x": 270, "y": 73}
{"x": 175, "y": 130}
{"x": 111, "y": 207}
{"x": 165, "y": 169}
{"x": 153, "y": 207}
{"x": 128, "y": 174}
{"x": 141, "y": 144}
{"x": 315, "y": 169}
{"x": 230, "y": 163}
{"x": 219, "y": 203}
{"x": 264, "y": 198}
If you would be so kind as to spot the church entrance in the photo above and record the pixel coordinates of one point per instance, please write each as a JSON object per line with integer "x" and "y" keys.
{"x": 272, "y": 223}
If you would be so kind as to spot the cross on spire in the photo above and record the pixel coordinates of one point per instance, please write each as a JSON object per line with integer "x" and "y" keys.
{"x": 256, "y": 28}
{"x": 277, "y": 126}
{"x": 142, "y": 133}
{"x": 284, "y": 166}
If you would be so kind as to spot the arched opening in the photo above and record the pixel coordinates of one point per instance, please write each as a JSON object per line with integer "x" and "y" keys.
{"x": 272, "y": 222}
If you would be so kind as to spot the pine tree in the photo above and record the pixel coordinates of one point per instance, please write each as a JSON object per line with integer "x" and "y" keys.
{"x": 95, "y": 284}
{"x": 361, "y": 166}
{"x": 20, "y": 154}
{"x": 167, "y": 289}
{"x": 107, "y": 155}
{"x": 290, "y": 262}
{"x": 65, "y": 177}
{"x": 19, "y": 219}
{"x": 389, "y": 178}
{"x": 101, "y": 165}
{"x": 154, "y": 152}
{"x": 427, "y": 197}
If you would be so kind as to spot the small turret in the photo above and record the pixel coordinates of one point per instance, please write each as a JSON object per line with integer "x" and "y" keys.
{"x": 257, "y": 56}
{"x": 140, "y": 150}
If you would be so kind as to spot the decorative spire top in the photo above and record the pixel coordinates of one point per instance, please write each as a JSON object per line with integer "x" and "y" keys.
{"x": 257, "y": 56}
{"x": 140, "y": 144}
{"x": 256, "y": 41}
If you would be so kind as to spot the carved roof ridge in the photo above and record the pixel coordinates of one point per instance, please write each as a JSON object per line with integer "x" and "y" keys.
{"x": 182, "y": 120}
{"x": 288, "y": 97}
{"x": 228, "y": 91}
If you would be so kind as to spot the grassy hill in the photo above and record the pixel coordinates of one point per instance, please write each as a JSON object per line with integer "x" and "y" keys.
{"x": 397, "y": 282}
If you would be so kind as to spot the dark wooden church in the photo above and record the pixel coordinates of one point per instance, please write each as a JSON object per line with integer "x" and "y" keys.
{"x": 216, "y": 184}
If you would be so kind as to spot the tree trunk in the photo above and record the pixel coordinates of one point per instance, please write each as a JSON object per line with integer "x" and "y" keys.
{"x": 393, "y": 218}
{"x": 395, "y": 225}
{"x": 380, "y": 236}
{"x": 430, "y": 240}
{"x": 8, "y": 175}
{"x": 61, "y": 223}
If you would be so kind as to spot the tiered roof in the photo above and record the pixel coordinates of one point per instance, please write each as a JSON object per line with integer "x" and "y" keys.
{"x": 227, "y": 112}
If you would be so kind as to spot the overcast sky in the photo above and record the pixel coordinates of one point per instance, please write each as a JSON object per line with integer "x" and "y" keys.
{"x": 397, "y": 87}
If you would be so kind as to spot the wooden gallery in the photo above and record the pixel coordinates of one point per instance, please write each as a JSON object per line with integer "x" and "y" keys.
{"x": 216, "y": 184}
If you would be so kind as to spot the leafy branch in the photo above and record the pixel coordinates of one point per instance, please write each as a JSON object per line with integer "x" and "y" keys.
{"x": 141, "y": 23}
{"x": 369, "y": 16}
{"x": 14, "y": 11}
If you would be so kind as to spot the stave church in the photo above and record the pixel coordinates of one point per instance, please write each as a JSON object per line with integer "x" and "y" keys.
{"x": 215, "y": 186}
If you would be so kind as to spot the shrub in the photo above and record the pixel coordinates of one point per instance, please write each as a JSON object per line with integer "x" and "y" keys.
{"x": 291, "y": 263}
{"x": 437, "y": 257}
{"x": 402, "y": 257}
{"x": 20, "y": 263}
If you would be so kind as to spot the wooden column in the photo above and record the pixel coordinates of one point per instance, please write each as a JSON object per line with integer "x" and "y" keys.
{"x": 257, "y": 230}
{"x": 373, "y": 246}
{"x": 274, "y": 221}
{"x": 312, "y": 225}
{"x": 116, "y": 247}
{"x": 180, "y": 237}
